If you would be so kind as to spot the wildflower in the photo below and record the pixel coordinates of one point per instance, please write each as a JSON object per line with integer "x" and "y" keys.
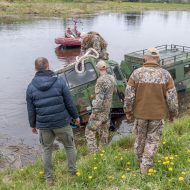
{"x": 188, "y": 151}
{"x": 155, "y": 171}
{"x": 188, "y": 160}
{"x": 101, "y": 154}
{"x": 78, "y": 174}
{"x": 149, "y": 174}
{"x": 171, "y": 163}
{"x": 41, "y": 173}
{"x": 159, "y": 161}
{"x": 181, "y": 178}
{"x": 90, "y": 177}
{"x": 103, "y": 151}
{"x": 95, "y": 168}
{"x": 110, "y": 177}
{"x": 164, "y": 142}
{"x": 95, "y": 158}
{"x": 164, "y": 163}
{"x": 168, "y": 162}
{"x": 115, "y": 157}
{"x": 150, "y": 170}
{"x": 128, "y": 169}
{"x": 128, "y": 163}
{"x": 134, "y": 175}
{"x": 123, "y": 177}
{"x": 170, "y": 169}
{"x": 166, "y": 158}
{"x": 21, "y": 170}
{"x": 176, "y": 155}
{"x": 183, "y": 173}
{"x": 171, "y": 157}
{"x": 121, "y": 158}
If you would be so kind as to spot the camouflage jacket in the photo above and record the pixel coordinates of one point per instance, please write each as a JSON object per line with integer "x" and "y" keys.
{"x": 104, "y": 89}
{"x": 150, "y": 92}
{"x": 95, "y": 41}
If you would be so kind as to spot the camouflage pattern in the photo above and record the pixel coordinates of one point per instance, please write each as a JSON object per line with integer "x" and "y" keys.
{"x": 101, "y": 108}
{"x": 148, "y": 133}
{"x": 151, "y": 75}
{"x": 95, "y": 41}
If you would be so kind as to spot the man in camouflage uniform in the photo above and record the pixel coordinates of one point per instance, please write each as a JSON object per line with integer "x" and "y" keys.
{"x": 99, "y": 119}
{"x": 149, "y": 93}
{"x": 94, "y": 40}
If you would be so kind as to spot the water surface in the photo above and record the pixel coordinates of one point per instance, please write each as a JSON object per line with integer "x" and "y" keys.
{"x": 21, "y": 43}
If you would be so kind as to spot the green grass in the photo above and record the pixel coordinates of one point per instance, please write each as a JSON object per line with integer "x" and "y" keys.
{"x": 68, "y": 8}
{"x": 115, "y": 167}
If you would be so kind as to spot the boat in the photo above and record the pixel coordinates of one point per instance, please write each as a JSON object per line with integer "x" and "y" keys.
{"x": 71, "y": 37}
{"x": 72, "y": 42}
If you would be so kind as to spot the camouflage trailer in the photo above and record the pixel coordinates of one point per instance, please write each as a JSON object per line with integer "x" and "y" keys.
{"x": 174, "y": 58}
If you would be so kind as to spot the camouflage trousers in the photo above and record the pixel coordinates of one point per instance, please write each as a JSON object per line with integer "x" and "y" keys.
{"x": 148, "y": 133}
{"x": 99, "y": 125}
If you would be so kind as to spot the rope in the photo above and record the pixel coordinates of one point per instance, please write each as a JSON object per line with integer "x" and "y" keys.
{"x": 83, "y": 58}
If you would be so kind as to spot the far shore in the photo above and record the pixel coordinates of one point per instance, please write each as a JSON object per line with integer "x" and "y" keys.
{"x": 56, "y": 8}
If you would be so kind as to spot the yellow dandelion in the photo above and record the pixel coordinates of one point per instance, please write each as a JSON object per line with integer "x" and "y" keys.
{"x": 123, "y": 177}
{"x": 78, "y": 174}
{"x": 170, "y": 169}
{"x": 41, "y": 173}
{"x": 134, "y": 175}
{"x": 128, "y": 163}
{"x": 188, "y": 151}
{"x": 188, "y": 160}
{"x": 95, "y": 168}
{"x": 164, "y": 163}
{"x": 21, "y": 170}
{"x": 90, "y": 177}
{"x": 155, "y": 171}
{"x": 168, "y": 162}
{"x": 101, "y": 155}
{"x": 183, "y": 173}
{"x": 128, "y": 169}
{"x": 164, "y": 142}
{"x": 159, "y": 161}
{"x": 181, "y": 178}
{"x": 166, "y": 158}
{"x": 171, "y": 163}
{"x": 95, "y": 158}
{"x": 110, "y": 177}
{"x": 103, "y": 151}
{"x": 150, "y": 170}
{"x": 149, "y": 174}
{"x": 121, "y": 158}
{"x": 171, "y": 157}
{"x": 176, "y": 155}
{"x": 115, "y": 157}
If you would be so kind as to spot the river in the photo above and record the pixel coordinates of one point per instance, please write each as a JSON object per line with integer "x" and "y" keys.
{"x": 22, "y": 42}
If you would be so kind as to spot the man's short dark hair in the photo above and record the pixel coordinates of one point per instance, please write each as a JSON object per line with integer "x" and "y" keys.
{"x": 41, "y": 64}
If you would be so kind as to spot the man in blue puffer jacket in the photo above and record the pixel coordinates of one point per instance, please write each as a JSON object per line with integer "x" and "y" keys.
{"x": 51, "y": 109}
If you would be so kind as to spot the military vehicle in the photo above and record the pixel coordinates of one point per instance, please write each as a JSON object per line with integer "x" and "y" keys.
{"x": 174, "y": 58}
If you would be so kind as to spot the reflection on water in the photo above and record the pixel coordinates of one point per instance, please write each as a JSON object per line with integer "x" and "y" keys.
{"x": 67, "y": 55}
{"x": 21, "y": 42}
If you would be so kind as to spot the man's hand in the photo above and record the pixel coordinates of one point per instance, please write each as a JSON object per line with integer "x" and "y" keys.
{"x": 34, "y": 130}
{"x": 130, "y": 117}
{"x": 77, "y": 121}
{"x": 92, "y": 116}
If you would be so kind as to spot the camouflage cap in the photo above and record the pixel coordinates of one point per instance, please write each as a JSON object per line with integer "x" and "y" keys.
{"x": 152, "y": 52}
{"x": 101, "y": 65}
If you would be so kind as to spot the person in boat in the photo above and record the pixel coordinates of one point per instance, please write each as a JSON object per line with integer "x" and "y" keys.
{"x": 149, "y": 93}
{"x": 69, "y": 33}
{"x": 94, "y": 40}
{"x": 50, "y": 110}
{"x": 99, "y": 120}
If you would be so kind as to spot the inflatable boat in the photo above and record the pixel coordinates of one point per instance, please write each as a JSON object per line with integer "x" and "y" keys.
{"x": 71, "y": 42}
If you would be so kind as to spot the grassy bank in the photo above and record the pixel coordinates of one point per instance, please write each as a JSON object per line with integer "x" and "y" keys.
{"x": 60, "y": 8}
{"x": 115, "y": 168}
